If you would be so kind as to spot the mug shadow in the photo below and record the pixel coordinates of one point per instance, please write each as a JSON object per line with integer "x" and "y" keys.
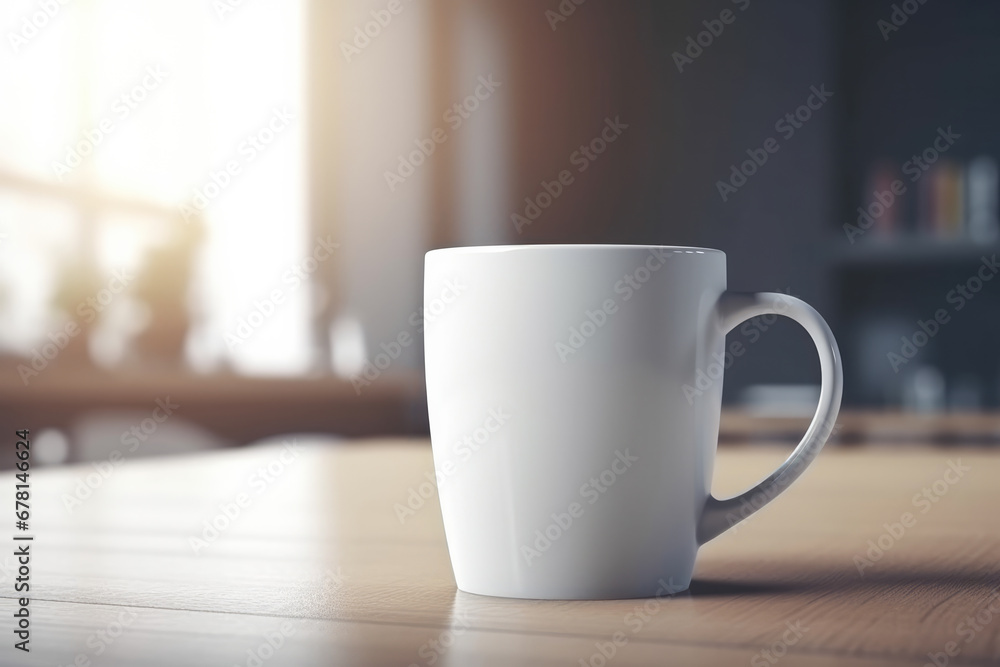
{"x": 843, "y": 581}
{"x": 706, "y": 588}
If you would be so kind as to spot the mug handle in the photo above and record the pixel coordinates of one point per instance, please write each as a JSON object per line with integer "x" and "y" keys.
{"x": 733, "y": 309}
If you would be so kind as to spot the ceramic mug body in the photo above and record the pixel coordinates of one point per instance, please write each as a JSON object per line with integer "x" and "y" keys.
{"x": 574, "y": 395}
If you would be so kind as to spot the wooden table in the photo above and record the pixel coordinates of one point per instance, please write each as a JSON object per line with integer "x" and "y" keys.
{"x": 316, "y": 568}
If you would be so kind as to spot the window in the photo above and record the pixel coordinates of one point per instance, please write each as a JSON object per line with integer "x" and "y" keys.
{"x": 158, "y": 144}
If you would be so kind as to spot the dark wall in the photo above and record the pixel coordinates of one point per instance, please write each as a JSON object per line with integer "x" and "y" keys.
{"x": 658, "y": 182}
{"x": 911, "y": 68}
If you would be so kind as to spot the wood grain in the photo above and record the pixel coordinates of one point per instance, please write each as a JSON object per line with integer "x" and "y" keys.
{"x": 320, "y": 549}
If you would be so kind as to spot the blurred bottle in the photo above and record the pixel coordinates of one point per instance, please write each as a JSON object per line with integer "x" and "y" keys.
{"x": 881, "y": 203}
{"x": 924, "y": 390}
{"x": 927, "y": 193}
{"x": 870, "y": 337}
{"x": 983, "y": 200}
{"x": 948, "y": 201}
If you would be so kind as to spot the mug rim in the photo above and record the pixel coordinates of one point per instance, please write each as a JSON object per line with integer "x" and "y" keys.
{"x": 690, "y": 250}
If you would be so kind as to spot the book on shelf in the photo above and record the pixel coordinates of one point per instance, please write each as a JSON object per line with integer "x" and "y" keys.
{"x": 951, "y": 199}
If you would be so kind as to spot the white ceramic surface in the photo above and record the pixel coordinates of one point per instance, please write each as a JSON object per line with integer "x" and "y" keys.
{"x": 574, "y": 396}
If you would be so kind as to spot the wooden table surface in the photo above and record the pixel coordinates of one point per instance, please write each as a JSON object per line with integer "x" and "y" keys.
{"x": 317, "y": 568}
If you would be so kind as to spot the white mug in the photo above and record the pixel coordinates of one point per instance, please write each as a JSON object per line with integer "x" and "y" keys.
{"x": 574, "y": 394}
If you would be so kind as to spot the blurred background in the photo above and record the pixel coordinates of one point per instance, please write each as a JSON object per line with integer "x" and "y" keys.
{"x": 213, "y": 213}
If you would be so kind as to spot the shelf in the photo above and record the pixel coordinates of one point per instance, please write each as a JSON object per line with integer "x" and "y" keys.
{"x": 912, "y": 250}
{"x": 869, "y": 427}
